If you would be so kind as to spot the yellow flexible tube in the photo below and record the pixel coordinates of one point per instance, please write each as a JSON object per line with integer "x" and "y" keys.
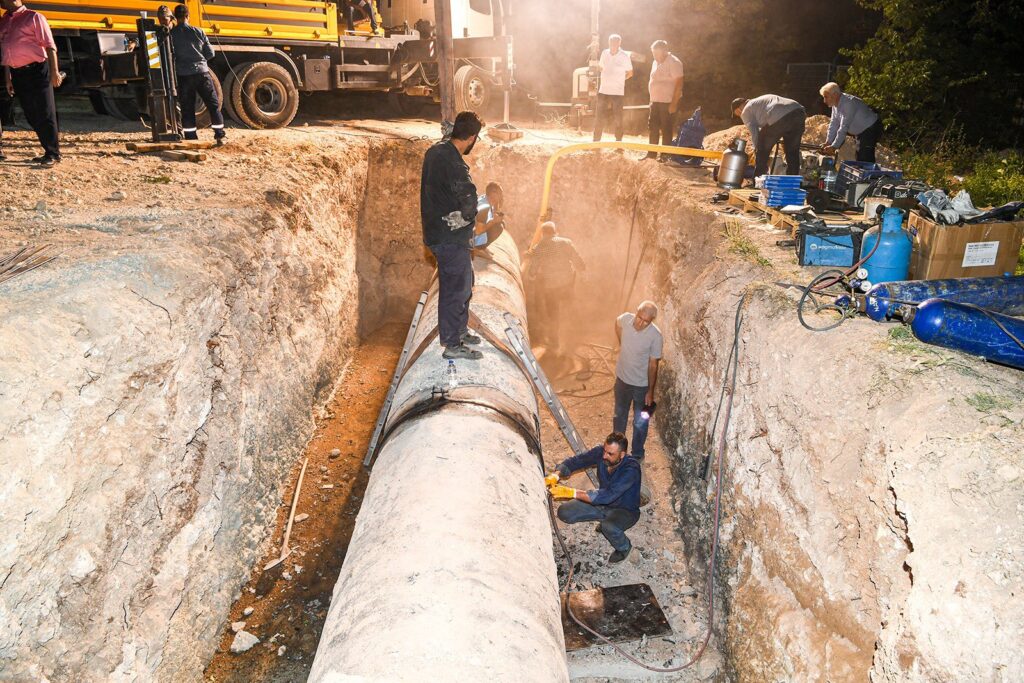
{"x": 581, "y": 146}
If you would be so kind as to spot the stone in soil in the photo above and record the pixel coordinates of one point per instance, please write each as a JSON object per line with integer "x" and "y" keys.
{"x": 243, "y": 642}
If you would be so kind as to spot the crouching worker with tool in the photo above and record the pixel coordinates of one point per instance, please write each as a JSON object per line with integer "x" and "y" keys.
{"x": 616, "y": 504}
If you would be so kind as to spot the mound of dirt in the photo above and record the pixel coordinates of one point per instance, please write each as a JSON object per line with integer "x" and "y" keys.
{"x": 814, "y": 134}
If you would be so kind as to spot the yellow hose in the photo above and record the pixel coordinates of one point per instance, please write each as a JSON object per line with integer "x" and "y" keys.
{"x": 636, "y": 146}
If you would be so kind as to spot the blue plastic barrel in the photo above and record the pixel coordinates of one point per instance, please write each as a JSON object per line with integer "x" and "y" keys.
{"x": 971, "y": 330}
{"x": 891, "y": 261}
{"x": 1002, "y": 294}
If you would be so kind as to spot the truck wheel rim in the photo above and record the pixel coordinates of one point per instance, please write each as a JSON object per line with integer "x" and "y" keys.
{"x": 476, "y": 92}
{"x": 270, "y": 97}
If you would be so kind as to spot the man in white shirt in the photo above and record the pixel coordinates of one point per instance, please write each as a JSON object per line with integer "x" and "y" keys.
{"x": 666, "y": 88}
{"x": 636, "y": 372}
{"x": 616, "y": 67}
{"x": 850, "y": 116}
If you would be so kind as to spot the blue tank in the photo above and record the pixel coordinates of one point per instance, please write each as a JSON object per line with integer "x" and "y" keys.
{"x": 891, "y": 261}
{"x": 968, "y": 329}
{"x": 891, "y": 299}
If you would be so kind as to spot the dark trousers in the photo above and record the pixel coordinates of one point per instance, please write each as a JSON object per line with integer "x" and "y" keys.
{"x": 367, "y": 9}
{"x": 789, "y": 129}
{"x": 614, "y": 521}
{"x": 868, "y": 140}
{"x": 35, "y": 93}
{"x": 549, "y": 305}
{"x": 626, "y": 395}
{"x": 455, "y": 289}
{"x": 660, "y": 124}
{"x": 189, "y": 86}
{"x": 608, "y": 105}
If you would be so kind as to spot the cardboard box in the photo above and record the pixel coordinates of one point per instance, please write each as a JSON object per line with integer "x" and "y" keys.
{"x": 977, "y": 250}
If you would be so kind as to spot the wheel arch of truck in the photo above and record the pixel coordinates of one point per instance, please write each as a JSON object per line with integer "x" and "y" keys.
{"x": 235, "y": 56}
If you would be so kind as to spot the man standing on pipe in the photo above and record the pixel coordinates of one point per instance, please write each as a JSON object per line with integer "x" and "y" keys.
{"x": 448, "y": 210}
{"x": 616, "y": 504}
{"x": 636, "y": 372}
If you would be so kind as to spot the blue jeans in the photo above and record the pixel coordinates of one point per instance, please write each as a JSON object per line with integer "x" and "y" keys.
{"x": 626, "y": 394}
{"x": 614, "y": 521}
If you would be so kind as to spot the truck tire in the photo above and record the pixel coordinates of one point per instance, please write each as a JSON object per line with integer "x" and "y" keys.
{"x": 404, "y": 105}
{"x": 473, "y": 89}
{"x": 264, "y": 95}
{"x": 96, "y": 100}
{"x": 228, "y": 85}
{"x": 121, "y": 108}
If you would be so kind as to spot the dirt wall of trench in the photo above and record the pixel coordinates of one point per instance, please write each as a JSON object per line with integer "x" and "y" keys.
{"x": 872, "y": 525}
{"x": 159, "y": 382}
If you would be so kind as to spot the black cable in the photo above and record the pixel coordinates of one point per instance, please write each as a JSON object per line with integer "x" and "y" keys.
{"x": 734, "y": 368}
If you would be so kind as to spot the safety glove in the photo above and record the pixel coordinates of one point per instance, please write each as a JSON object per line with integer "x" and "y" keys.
{"x": 559, "y": 492}
{"x": 551, "y": 479}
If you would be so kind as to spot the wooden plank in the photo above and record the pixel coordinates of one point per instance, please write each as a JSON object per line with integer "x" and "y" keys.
{"x": 183, "y": 155}
{"x": 164, "y": 146}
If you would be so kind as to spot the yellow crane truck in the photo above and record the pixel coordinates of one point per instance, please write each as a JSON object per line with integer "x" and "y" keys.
{"x": 268, "y": 53}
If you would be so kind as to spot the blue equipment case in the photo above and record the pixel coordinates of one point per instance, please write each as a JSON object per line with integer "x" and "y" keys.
{"x": 828, "y": 245}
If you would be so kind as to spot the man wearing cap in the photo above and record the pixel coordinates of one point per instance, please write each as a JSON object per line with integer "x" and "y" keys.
{"x": 771, "y": 118}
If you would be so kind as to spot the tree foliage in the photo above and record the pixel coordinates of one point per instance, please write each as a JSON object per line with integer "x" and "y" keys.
{"x": 934, "y": 65}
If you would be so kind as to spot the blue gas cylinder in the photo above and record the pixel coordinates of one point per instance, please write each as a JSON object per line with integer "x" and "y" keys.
{"x": 891, "y": 260}
{"x": 970, "y": 329}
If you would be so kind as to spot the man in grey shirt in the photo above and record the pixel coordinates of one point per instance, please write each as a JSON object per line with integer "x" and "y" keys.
{"x": 850, "y": 116}
{"x": 771, "y": 118}
{"x": 636, "y": 372}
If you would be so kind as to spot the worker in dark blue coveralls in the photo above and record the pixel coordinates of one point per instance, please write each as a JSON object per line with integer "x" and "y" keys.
{"x": 616, "y": 504}
{"x": 448, "y": 210}
{"x": 192, "y": 50}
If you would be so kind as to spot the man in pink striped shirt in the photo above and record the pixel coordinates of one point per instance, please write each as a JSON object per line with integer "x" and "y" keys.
{"x": 31, "y": 72}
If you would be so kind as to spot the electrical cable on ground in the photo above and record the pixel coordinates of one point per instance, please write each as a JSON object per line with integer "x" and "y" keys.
{"x": 732, "y": 366}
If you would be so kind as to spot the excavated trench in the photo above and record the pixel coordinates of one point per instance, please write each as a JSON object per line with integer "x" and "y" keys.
{"x": 860, "y": 484}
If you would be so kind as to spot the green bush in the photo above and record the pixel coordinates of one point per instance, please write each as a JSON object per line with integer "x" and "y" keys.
{"x": 996, "y": 179}
{"x": 992, "y": 178}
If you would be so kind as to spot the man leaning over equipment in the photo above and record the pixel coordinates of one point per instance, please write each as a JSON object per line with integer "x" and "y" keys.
{"x": 192, "y": 50}
{"x": 850, "y": 116}
{"x": 615, "y": 504}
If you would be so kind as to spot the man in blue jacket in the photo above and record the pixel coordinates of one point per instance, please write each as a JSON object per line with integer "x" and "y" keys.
{"x": 616, "y": 504}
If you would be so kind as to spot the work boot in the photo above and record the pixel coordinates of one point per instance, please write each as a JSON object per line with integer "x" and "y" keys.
{"x": 470, "y": 338}
{"x": 461, "y": 351}
{"x": 619, "y": 556}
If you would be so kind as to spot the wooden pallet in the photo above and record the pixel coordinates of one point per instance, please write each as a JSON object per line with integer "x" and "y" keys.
{"x": 747, "y": 201}
{"x": 165, "y": 146}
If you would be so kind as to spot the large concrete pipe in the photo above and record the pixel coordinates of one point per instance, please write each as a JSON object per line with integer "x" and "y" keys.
{"x": 450, "y": 574}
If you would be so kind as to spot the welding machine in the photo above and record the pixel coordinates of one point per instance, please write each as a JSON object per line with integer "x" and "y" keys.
{"x": 820, "y": 244}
